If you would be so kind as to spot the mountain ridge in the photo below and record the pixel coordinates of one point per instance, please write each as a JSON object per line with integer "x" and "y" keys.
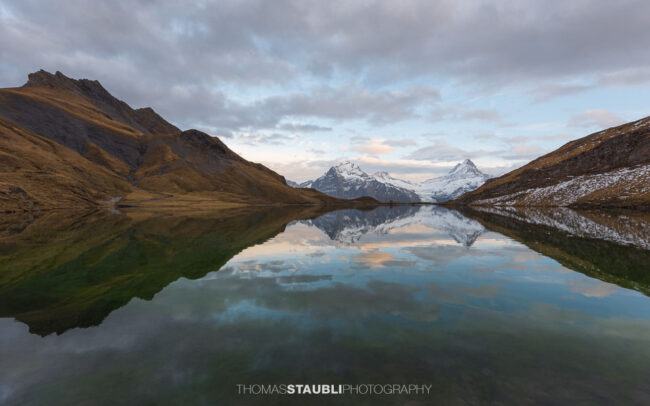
{"x": 68, "y": 143}
{"x": 347, "y": 180}
{"x": 464, "y": 177}
{"x": 609, "y": 168}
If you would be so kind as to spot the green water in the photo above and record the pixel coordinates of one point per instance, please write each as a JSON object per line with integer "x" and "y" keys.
{"x": 486, "y": 307}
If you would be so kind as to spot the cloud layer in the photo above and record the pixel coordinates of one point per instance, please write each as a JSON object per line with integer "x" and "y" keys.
{"x": 329, "y": 70}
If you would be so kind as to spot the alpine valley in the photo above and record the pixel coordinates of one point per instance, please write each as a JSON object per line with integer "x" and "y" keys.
{"x": 67, "y": 143}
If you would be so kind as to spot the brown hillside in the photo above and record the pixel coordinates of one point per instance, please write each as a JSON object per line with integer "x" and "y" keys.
{"x": 608, "y": 168}
{"x": 69, "y": 143}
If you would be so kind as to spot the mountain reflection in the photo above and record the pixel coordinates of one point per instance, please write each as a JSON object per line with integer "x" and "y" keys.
{"x": 613, "y": 246}
{"x": 480, "y": 304}
{"x": 63, "y": 270}
{"x": 349, "y": 226}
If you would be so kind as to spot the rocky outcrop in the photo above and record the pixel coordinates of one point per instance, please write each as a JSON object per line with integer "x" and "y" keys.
{"x": 348, "y": 181}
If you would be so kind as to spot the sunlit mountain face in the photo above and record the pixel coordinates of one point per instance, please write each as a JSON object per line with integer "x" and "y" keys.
{"x": 479, "y": 304}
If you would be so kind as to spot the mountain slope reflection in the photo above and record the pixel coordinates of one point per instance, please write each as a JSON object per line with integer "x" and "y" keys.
{"x": 613, "y": 246}
{"x": 401, "y": 294}
{"x": 62, "y": 270}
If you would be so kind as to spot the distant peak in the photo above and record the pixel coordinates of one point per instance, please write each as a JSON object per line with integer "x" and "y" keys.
{"x": 348, "y": 168}
{"x": 465, "y": 166}
{"x": 346, "y": 164}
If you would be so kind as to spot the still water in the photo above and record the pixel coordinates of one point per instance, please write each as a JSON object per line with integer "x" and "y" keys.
{"x": 493, "y": 306}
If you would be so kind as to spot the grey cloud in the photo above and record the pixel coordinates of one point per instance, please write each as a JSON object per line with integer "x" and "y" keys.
{"x": 459, "y": 112}
{"x": 627, "y": 77}
{"x": 596, "y": 118}
{"x": 517, "y": 149}
{"x": 443, "y": 152}
{"x": 304, "y": 128}
{"x": 400, "y": 142}
{"x": 352, "y": 103}
{"x": 274, "y": 139}
{"x": 481, "y": 114}
{"x": 181, "y": 57}
{"x": 522, "y": 139}
{"x": 359, "y": 138}
{"x": 549, "y": 92}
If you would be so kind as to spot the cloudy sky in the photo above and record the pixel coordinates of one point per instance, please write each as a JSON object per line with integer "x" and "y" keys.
{"x": 411, "y": 87}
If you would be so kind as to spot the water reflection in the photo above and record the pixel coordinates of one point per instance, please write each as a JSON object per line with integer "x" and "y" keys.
{"x": 394, "y": 295}
{"x": 348, "y": 226}
{"x": 610, "y": 246}
{"x": 61, "y": 270}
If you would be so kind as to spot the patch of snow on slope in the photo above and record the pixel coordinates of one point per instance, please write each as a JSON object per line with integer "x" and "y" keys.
{"x": 605, "y": 226}
{"x": 570, "y": 191}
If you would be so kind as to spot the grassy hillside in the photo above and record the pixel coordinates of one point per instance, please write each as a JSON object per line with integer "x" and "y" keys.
{"x": 610, "y": 168}
{"x": 69, "y": 143}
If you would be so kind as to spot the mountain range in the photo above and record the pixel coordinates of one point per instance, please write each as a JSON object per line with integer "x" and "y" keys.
{"x": 348, "y": 181}
{"x": 67, "y": 143}
{"x": 610, "y": 168}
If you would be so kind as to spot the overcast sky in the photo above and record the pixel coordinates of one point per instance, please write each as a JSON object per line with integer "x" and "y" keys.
{"x": 411, "y": 87}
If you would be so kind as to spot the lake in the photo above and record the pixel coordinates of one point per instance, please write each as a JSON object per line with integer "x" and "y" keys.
{"x": 506, "y": 306}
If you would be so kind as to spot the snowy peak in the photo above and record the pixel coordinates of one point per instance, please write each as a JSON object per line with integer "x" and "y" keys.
{"x": 463, "y": 178}
{"x": 385, "y": 177}
{"x": 466, "y": 169}
{"x": 347, "y": 166}
{"x": 349, "y": 169}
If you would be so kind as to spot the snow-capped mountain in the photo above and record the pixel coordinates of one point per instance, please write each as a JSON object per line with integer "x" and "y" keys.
{"x": 463, "y": 178}
{"x": 347, "y": 180}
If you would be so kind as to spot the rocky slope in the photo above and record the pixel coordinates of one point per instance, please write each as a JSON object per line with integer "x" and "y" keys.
{"x": 67, "y": 143}
{"x": 348, "y": 180}
{"x": 610, "y": 168}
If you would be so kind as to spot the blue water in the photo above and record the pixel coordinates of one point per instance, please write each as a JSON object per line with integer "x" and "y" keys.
{"x": 422, "y": 296}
